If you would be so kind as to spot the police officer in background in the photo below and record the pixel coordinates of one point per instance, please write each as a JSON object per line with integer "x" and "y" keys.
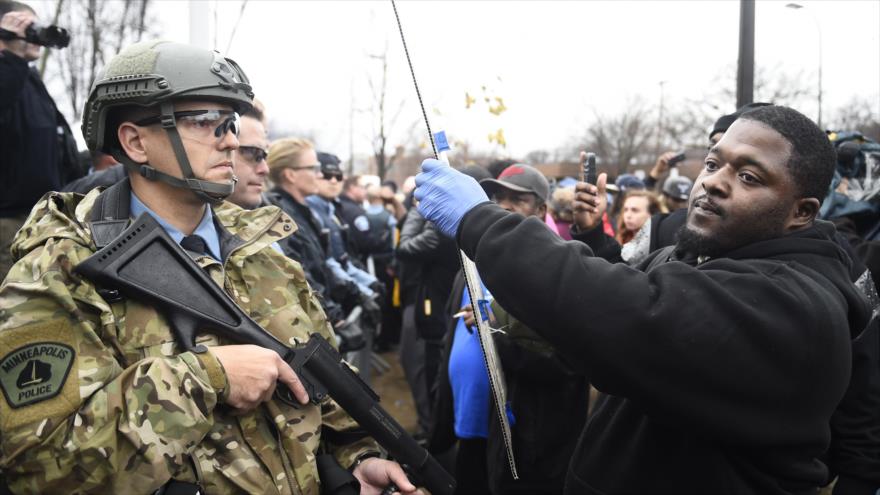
{"x": 38, "y": 150}
{"x": 97, "y": 395}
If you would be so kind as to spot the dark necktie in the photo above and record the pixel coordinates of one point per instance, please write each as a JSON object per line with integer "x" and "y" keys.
{"x": 195, "y": 244}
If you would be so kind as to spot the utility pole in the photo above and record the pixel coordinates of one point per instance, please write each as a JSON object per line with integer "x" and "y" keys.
{"x": 745, "y": 73}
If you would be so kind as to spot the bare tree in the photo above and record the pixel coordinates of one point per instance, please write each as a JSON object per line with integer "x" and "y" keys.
{"x": 384, "y": 119}
{"x": 688, "y": 124}
{"x": 856, "y": 115}
{"x": 98, "y": 30}
{"x": 621, "y": 139}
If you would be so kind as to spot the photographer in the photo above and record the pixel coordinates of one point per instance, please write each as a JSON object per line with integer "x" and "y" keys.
{"x": 39, "y": 153}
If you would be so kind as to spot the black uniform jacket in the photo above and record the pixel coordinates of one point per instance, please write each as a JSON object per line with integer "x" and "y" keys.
{"x": 37, "y": 150}
{"x": 720, "y": 377}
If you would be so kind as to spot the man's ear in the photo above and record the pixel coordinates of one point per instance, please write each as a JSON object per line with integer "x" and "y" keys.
{"x": 131, "y": 138}
{"x": 803, "y": 213}
{"x": 542, "y": 211}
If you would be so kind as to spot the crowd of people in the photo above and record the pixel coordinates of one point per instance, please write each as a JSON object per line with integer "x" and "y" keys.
{"x": 656, "y": 333}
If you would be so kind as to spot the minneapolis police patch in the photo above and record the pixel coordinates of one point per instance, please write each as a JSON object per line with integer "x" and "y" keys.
{"x": 35, "y": 372}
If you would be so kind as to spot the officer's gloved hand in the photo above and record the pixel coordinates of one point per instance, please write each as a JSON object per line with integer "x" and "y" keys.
{"x": 445, "y": 195}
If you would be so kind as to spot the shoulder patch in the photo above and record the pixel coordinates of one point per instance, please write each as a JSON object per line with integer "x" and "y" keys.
{"x": 361, "y": 223}
{"x": 35, "y": 372}
{"x": 38, "y": 375}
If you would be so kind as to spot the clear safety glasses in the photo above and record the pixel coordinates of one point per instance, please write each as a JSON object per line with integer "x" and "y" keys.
{"x": 200, "y": 125}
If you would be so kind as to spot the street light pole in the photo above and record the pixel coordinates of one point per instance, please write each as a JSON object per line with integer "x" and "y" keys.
{"x": 797, "y": 6}
{"x": 745, "y": 72}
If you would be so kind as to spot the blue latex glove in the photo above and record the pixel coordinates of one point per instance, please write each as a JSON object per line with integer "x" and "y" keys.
{"x": 445, "y": 195}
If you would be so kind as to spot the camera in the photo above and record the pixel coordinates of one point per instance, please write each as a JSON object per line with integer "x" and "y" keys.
{"x": 49, "y": 36}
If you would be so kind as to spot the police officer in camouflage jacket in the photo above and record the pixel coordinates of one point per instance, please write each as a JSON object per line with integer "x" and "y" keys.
{"x": 97, "y": 395}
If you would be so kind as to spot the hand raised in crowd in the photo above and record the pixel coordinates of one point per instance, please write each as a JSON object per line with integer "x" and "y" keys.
{"x": 376, "y": 474}
{"x": 661, "y": 166}
{"x": 17, "y": 22}
{"x": 590, "y": 203}
{"x": 252, "y": 372}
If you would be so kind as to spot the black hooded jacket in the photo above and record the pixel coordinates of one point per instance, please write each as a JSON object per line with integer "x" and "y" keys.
{"x": 854, "y": 454}
{"x": 719, "y": 377}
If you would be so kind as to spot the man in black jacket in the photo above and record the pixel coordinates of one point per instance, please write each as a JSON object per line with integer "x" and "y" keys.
{"x": 38, "y": 151}
{"x": 853, "y": 456}
{"x": 722, "y": 358}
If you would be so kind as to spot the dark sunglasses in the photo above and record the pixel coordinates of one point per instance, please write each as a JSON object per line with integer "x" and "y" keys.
{"x": 221, "y": 121}
{"x": 254, "y": 154}
{"x": 331, "y": 175}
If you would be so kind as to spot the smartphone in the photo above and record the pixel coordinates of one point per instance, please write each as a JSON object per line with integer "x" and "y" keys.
{"x": 588, "y": 172}
{"x": 678, "y": 158}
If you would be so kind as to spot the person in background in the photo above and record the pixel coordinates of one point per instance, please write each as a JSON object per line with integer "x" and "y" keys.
{"x": 251, "y": 167}
{"x": 637, "y": 207}
{"x": 293, "y": 168}
{"x": 388, "y": 193}
{"x": 622, "y": 184}
{"x": 560, "y": 210}
{"x": 675, "y": 193}
{"x": 536, "y": 377}
{"x": 427, "y": 263}
{"x": 37, "y": 151}
{"x": 383, "y": 227}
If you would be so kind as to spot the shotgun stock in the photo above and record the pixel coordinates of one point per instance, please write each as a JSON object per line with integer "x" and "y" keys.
{"x": 145, "y": 264}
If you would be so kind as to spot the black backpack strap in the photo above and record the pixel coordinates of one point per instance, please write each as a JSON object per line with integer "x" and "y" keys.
{"x": 110, "y": 213}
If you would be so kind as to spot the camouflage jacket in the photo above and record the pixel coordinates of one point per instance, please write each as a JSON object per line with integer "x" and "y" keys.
{"x": 98, "y": 397}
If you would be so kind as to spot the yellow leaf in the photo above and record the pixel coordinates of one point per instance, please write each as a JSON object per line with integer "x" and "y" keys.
{"x": 468, "y": 100}
{"x": 498, "y": 137}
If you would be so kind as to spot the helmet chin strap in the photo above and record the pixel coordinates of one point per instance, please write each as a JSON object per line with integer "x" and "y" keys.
{"x": 212, "y": 192}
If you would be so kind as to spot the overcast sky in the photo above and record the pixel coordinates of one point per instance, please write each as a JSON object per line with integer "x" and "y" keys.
{"x": 554, "y": 63}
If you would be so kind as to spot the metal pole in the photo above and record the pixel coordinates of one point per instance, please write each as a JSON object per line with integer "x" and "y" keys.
{"x": 745, "y": 74}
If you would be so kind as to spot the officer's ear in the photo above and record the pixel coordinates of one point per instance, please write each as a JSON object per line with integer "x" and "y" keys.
{"x": 132, "y": 141}
{"x": 288, "y": 175}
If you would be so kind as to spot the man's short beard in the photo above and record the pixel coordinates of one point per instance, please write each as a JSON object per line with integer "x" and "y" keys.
{"x": 691, "y": 243}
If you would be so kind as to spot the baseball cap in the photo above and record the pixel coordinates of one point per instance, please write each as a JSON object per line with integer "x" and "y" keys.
{"x": 628, "y": 181}
{"x": 678, "y": 187}
{"x": 329, "y": 164}
{"x": 725, "y": 121}
{"x": 520, "y": 178}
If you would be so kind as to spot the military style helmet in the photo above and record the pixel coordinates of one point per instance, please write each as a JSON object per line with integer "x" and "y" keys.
{"x": 155, "y": 74}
